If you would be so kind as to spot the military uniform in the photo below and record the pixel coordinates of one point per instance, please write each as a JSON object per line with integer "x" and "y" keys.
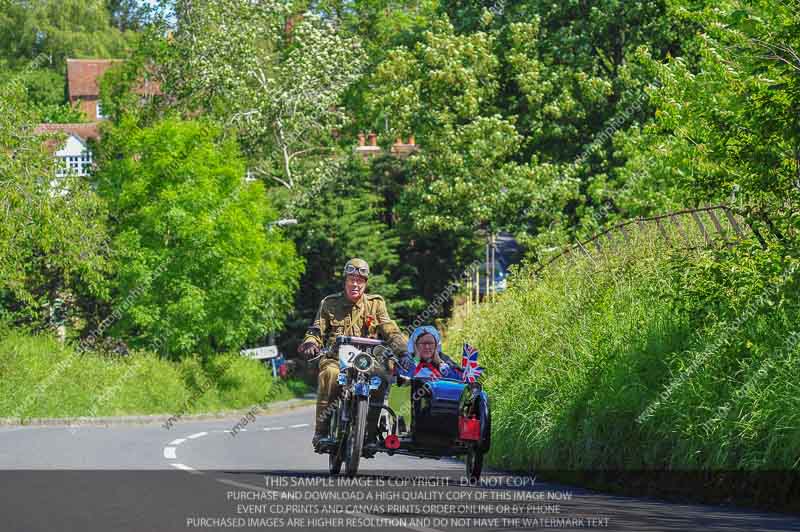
{"x": 338, "y": 316}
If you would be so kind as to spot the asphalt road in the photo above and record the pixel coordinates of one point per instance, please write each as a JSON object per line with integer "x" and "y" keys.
{"x": 197, "y": 475}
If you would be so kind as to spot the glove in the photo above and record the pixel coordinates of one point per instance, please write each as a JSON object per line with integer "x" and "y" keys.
{"x": 308, "y": 349}
{"x": 405, "y": 362}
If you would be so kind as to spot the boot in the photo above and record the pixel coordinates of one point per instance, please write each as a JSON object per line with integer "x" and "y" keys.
{"x": 373, "y": 415}
{"x": 321, "y": 431}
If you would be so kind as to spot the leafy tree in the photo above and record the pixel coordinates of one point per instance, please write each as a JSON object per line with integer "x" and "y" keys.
{"x": 36, "y": 37}
{"x": 276, "y": 80}
{"x": 195, "y": 259}
{"x": 128, "y": 14}
{"x": 443, "y": 91}
{"x": 725, "y": 128}
{"x": 379, "y": 24}
{"x": 52, "y": 230}
{"x": 49, "y": 31}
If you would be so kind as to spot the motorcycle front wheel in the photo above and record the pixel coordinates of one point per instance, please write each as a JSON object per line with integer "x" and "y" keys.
{"x": 355, "y": 439}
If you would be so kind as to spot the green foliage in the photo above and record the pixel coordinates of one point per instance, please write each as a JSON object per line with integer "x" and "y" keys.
{"x": 195, "y": 264}
{"x": 276, "y": 80}
{"x": 516, "y": 107}
{"x": 725, "y": 126}
{"x": 37, "y": 37}
{"x": 52, "y": 231}
{"x": 47, "y": 32}
{"x": 341, "y": 219}
{"x": 645, "y": 358}
{"x": 441, "y": 90}
{"x": 51, "y": 380}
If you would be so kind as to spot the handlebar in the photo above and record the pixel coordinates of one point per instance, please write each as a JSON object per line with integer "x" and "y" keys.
{"x": 322, "y": 352}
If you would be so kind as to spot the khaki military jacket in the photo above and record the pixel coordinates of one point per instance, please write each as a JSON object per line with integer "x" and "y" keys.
{"x": 368, "y": 317}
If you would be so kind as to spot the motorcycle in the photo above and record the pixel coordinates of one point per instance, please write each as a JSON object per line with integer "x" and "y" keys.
{"x": 449, "y": 417}
{"x": 364, "y": 368}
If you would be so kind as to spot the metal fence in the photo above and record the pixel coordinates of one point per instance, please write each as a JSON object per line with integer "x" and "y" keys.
{"x": 702, "y": 227}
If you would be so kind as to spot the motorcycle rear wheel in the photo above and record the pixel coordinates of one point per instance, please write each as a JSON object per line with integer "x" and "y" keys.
{"x": 355, "y": 440}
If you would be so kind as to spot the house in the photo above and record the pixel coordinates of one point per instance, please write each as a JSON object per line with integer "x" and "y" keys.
{"x": 75, "y": 155}
{"x": 83, "y": 91}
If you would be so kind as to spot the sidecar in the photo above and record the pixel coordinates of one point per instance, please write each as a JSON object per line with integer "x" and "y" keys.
{"x": 448, "y": 418}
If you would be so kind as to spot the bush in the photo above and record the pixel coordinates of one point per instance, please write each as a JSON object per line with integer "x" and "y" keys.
{"x": 645, "y": 358}
{"x": 43, "y": 378}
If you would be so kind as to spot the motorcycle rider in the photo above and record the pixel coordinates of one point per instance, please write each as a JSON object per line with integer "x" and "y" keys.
{"x": 350, "y": 313}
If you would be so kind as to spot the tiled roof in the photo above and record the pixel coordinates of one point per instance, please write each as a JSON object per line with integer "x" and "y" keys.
{"x": 82, "y": 75}
{"x": 82, "y": 131}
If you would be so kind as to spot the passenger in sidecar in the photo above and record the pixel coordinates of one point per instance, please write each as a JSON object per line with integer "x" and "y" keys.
{"x": 425, "y": 345}
{"x": 449, "y": 417}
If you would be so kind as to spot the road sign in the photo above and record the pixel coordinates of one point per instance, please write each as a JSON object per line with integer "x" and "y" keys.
{"x": 261, "y": 353}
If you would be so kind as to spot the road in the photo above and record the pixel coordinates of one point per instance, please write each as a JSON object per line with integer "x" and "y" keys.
{"x": 197, "y": 475}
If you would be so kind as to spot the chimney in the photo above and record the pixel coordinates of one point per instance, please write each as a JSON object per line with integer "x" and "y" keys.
{"x": 401, "y": 150}
{"x": 369, "y": 149}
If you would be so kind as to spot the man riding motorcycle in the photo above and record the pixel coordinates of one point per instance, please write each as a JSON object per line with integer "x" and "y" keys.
{"x": 348, "y": 313}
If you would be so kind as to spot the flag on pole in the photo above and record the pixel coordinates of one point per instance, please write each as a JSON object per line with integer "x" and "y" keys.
{"x": 469, "y": 364}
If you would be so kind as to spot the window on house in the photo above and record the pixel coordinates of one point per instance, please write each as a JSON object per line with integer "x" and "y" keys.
{"x": 74, "y": 164}
{"x": 100, "y": 110}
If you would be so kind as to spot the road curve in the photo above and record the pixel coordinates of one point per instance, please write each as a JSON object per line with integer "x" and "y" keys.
{"x": 201, "y": 475}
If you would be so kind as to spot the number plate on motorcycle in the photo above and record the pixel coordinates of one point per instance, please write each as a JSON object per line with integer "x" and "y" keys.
{"x": 346, "y": 355}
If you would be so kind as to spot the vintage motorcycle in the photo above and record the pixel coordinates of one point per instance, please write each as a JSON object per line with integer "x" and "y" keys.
{"x": 448, "y": 417}
{"x": 365, "y": 367}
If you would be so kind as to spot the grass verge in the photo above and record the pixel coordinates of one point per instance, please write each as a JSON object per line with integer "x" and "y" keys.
{"x": 42, "y": 378}
{"x": 644, "y": 361}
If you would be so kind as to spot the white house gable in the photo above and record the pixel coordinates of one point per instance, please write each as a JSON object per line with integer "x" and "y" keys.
{"x": 75, "y": 157}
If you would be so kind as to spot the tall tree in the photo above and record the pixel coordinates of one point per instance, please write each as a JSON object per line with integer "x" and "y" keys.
{"x": 49, "y": 31}
{"x": 196, "y": 261}
{"x": 52, "y": 229}
{"x": 726, "y": 128}
{"x": 277, "y": 79}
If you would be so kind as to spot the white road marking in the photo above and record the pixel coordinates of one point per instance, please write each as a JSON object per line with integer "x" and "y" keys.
{"x": 169, "y": 452}
{"x": 274, "y": 428}
{"x": 198, "y": 435}
{"x": 178, "y": 441}
{"x": 298, "y": 426}
{"x": 19, "y": 428}
{"x": 186, "y": 468}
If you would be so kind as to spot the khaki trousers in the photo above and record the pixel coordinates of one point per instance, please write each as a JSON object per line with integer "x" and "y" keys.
{"x": 327, "y": 390}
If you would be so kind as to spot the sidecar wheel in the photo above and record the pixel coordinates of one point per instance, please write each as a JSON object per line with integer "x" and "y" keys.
{"x": 474, "y": 464}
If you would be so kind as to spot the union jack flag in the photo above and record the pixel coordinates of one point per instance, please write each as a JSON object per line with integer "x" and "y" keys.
{"x": 469, "y": 364}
